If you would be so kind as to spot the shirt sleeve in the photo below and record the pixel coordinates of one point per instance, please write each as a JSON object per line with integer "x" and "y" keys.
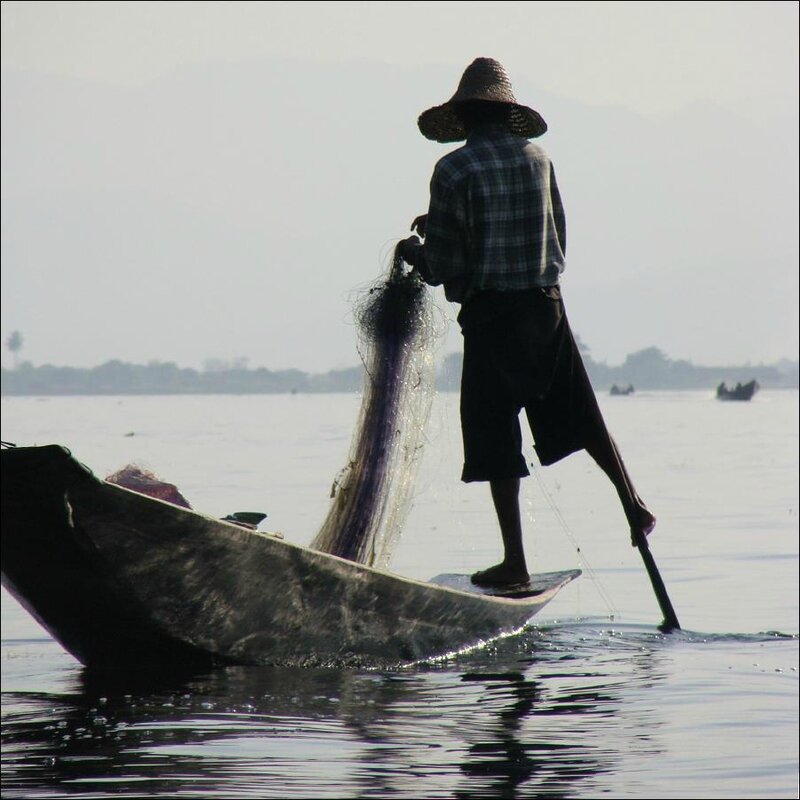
{"x": 443, "y": 258}
{"x": 558, "y": 211}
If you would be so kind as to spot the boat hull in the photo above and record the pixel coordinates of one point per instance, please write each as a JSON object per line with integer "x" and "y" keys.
{"x": 741, "y": 392}
{"x": 121, "y": 580}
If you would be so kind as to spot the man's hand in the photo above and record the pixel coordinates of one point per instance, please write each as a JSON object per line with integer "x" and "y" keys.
{"x": 420, "y": 224}
{"x": 409, "y": 249}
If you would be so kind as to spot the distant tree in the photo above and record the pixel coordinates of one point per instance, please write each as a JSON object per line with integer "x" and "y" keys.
{"x": 225, "y": 365}
{"x": 583, "y": 348}
{"x": 14, "y": 344}
{"x": 214, "y": 365}
{"x": 649, "y": 367}
{"x": 649, "y": 358}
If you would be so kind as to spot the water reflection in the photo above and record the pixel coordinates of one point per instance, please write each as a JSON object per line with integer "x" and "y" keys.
{"x": 507, "y": 758}
{"x": 528, "y": 717}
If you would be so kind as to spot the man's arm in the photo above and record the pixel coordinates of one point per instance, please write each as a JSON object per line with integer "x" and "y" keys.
{"x": 443, "y": 255}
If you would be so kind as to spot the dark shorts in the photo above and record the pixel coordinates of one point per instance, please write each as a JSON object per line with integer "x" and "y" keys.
{"x": 519, "y": 352}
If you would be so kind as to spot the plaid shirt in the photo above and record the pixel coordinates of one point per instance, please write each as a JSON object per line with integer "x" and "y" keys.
{"x": 495, "y": 219}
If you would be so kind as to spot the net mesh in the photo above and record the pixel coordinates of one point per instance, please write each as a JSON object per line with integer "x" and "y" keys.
{"x": 372, "y": 495}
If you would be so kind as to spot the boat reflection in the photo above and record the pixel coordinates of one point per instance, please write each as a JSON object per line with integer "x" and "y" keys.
{"x": 509, "y": 726}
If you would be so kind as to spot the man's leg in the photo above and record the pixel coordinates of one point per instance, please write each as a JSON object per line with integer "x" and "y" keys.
{"x": 512, "y": 569}
{"x": 603, "y": 449}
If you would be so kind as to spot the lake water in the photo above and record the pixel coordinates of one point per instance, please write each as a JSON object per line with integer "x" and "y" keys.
{"x": 590, "y": 700}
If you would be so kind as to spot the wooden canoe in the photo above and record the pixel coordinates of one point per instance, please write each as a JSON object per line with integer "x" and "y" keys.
{"x": 124, "y": 580}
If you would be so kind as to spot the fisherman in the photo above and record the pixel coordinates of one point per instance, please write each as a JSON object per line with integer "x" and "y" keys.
{"x": 495, "y": 238}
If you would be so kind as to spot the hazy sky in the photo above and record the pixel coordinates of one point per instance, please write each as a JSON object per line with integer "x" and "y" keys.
{"x": 653, "y": 59}
{"x": 649, "y": 56}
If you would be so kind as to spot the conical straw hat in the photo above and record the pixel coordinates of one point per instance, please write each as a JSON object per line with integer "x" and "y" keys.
{"x": 486, "y": 80}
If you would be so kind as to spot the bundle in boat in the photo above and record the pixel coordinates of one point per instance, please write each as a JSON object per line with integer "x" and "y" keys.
{"x": 143, "y": 481}
{"x": 372, "y": 494}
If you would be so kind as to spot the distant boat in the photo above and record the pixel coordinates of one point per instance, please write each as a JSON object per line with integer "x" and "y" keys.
{"x": 742, "y": 391}
{"x": 124, "y": 580}
{"x": 622, "y": 390}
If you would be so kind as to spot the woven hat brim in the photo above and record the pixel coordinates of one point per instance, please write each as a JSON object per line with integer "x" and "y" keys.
{"x": 442, "y": 124}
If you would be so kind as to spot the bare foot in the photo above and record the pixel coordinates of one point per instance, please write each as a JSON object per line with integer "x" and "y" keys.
{"x": 501, "y": 575}
{"x": 647, "y": 522}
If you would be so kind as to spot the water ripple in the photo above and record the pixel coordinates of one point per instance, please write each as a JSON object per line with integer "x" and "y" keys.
{"x": 550, "y": 712}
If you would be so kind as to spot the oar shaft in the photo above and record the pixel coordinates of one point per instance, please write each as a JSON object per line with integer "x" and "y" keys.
{"x": 670, "y": 622}
{"x": 605, "y": 452}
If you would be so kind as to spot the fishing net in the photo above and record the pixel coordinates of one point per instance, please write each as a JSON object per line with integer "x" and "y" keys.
{"x": 372, "y": 494}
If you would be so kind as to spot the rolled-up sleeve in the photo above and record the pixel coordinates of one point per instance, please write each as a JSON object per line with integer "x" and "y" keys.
{"x": 558, "y": 211}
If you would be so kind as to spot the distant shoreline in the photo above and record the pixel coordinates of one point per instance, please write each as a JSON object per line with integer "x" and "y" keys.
{"x": 44, "y": 396}
{"x": 648, "y": 369}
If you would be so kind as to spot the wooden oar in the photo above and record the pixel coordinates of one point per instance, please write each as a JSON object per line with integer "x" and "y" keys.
{"x": 609, "y": 459}
{"x": 670, "y": 622}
